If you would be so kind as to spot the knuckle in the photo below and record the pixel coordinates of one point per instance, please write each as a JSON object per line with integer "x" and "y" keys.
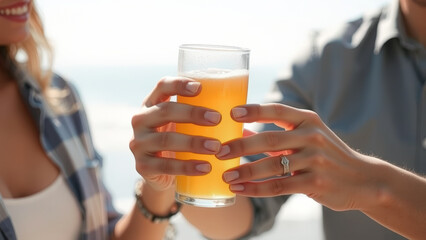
{"x": 191, "y": 142}
{"x": 180, "y": 85}
{"x": 136, "y": 120}
{"x": 312, "y": 116}
{"x": 142, "y": 167}
{"x": 277, "y": 165}
{"x": 163, "y": 81}
{"x": 253, "y": 189}
{"x": 278, "y": 109}
{"x": 239, "y": 146}
{"x": 276, "y": 187}
{"x": 133, "y": 145}
{"x": 165, "y": 139}
{"x": 185, "y": 169}
{"x": 194, "y": 113}
{"x": 319, "y": 160}
{"x": 272, "y": 140}
{"x": 317, "y": 137}
{"x": 165, "y": 166}
{"x": 164, "y": 109}
{"x": 256, "y": 109}
{"x": 318, "y": 182}
{"x": 194, "y": 142}
{"x": 249, "y": 172}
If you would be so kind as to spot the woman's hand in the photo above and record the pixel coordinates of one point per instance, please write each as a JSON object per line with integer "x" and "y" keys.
{"x": 155, "y": 140}
{"x": 322, "y": 166}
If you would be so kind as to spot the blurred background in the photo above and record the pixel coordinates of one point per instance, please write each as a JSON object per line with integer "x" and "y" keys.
{"x": 116, "y": 51}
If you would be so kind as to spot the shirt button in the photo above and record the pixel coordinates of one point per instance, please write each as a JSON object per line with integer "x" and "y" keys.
{"x": 424, "y": 143}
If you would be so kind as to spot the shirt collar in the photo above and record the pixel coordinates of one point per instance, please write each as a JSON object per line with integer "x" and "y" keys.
{"x": 389, "y": 26}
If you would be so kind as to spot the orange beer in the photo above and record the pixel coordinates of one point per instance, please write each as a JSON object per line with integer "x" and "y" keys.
{"x": 221, "y": 90}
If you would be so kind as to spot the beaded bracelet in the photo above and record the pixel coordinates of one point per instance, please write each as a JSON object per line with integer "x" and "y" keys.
{"x": 148, "y": 214}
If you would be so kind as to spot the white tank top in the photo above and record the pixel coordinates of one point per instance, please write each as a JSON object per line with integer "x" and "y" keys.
{"x": 52, "y": 213}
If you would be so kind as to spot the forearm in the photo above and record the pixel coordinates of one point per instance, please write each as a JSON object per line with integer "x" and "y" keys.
{"x": 136, "y": 226}
{"x": 400, "y": 201}
{"x": 222, "y": 223}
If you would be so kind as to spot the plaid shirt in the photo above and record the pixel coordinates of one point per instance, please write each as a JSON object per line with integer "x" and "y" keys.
{"x": 67, "y": 141}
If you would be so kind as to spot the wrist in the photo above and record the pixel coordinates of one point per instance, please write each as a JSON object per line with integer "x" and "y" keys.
{"x": 379, "y": 192}
{"x": 156, "y": 206}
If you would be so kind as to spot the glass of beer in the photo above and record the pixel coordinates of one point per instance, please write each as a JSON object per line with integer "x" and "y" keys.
{"x": 223, "y": 74}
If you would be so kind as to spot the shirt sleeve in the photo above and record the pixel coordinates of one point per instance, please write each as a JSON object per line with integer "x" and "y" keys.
{"x": 112, "y": 214}
{"x": 296, "y": 83}
{"x": 265, "y": 211}
{"x": 94, "y": 158}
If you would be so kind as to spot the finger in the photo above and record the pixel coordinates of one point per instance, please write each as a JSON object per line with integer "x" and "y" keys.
{"x": 282, "y": 115}
{"x": 265, "y": 168}
{"x": 152, "y": 165}
{"x": 170, "y": 86}
{"x": 301, "y": 183}
{"x": 283, "y": 142}
{"x": 177, "y": 142}
{"x": 248, "y": 132}
{"x": 167, "y": 112}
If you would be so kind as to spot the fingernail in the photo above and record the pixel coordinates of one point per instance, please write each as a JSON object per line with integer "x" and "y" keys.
{"x": 192, "y": 86}
{"x": 236, "y": 187}
{"x": 230, "y": 176}
{"x": 212, "y": 117}
{"x": 223, "y": 151}
{"x": 212, "y": 145}
{"x": 239, "y": 112}
{"x": 204, "y": 167}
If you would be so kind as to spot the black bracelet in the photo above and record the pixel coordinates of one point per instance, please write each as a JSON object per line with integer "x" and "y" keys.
{"x": 148, "y": 214}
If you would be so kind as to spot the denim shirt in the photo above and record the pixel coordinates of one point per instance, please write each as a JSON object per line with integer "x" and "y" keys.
{"x": 366, "y": 80}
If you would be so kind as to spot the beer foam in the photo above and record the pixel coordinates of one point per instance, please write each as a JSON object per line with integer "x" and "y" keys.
{"x": 215, "y": 73}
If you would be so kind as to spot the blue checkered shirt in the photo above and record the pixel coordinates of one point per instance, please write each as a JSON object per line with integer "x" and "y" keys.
{"x": 67, "y": 141}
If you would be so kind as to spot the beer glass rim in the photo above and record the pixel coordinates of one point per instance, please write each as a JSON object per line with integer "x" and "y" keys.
{"x": 212, "y": 47}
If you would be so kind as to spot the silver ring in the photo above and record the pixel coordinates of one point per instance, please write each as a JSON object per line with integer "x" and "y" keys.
{"x": 286, "y": 165}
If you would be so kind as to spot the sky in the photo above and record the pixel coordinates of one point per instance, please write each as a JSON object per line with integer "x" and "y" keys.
{"x": 142, "y": 32}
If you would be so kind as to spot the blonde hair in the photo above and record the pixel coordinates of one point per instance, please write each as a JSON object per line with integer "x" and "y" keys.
{"x": 35, "y": 47}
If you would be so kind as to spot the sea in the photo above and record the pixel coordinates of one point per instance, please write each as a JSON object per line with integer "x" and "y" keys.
{"x": 113, "y": 94}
